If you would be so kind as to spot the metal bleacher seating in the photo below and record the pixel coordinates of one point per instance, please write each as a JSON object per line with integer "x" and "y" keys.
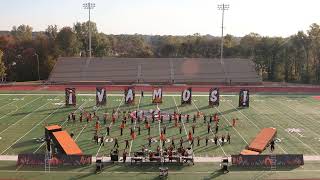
{"x": 154, "y": 70}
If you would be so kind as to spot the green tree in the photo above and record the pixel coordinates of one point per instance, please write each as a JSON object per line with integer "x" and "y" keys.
{"x": 2, "y": 68}
{"x": 67, "y": 42}
{"x": 22, "y": 33}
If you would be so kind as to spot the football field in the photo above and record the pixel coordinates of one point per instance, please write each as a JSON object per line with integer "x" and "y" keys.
{"x": 296, "y": 118}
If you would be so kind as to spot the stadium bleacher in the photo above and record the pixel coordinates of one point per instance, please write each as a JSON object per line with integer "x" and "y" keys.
{"x": 154, "y": 70}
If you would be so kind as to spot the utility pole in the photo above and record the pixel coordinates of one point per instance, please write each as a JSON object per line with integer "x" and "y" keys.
{"x": 222, "y": 7}
{"x": 89, "y": 6}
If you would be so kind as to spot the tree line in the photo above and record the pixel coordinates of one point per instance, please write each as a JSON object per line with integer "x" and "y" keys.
{"x": 290, "y": 59}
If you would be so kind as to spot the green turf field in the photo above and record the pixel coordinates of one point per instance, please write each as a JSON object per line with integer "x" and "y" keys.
{"x": 296, "y": 118}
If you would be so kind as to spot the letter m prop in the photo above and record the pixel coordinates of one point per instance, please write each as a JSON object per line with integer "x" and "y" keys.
{"x": 101, "y": 96}
{"x": 157, "y": 95}
{"x": 70, "y": 96}
{"x": 129, "y": 95}
{"x": 214, "y": 97}
{"x": 244, "y": 98}
{"x": 186, "y": 96}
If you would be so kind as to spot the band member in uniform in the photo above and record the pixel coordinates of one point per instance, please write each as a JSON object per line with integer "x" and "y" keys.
{"x": 101, "y": 140}
{"x": 108, "y": 130}
{"x": 149, "y": 141}
{"x": 193, "y": 128}
{"x": 115, "y": 143}
{"x": 188, "y": 118}
{"x": 204, "y": 118}
{"x": 215, "y": 139}
{"x": 127, "y": 143}
{"x": 181, "y": 142}
{"x": 207, "y": 140}
{"x": 194, "y": 118}
{"x": 222, "y": 139}
{"x": 180, "y": 129}
{"x": 209, "y": 127}
{"x": 217, "y": 127}
{"x": 124, "y": 156}
{"x": 228, "y": 138}
{"x": 139, "y": 130}
{"x": 198, "y": 138}
{"x": 172, "y": 143}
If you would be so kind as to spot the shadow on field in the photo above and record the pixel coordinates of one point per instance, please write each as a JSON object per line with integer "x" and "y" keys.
{"x": 214, "y": 175}
{"x": 26, "y": 143}
{"x": 236, "y": 168}
{"x": 229, "y": 111}
{"x": 50, "y": 110}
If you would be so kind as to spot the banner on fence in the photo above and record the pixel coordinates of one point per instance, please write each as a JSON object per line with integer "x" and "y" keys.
{"x": 266, "y": 160}
{"x": 56, "y": 160}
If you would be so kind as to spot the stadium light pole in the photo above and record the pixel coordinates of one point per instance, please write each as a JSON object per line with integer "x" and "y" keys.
{"x": 89, "y": 6}
{"x": 222, "y": 7}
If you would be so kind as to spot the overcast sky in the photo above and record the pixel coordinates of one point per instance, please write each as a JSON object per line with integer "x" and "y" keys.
{"x": 164, "y": 17}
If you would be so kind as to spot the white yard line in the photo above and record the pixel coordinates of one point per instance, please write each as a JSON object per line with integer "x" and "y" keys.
{"x": 288, "y": 132}
{"x": 24, "y": 116}
{"x": 30, "y": 130}
{"x": 305, "y": 115}
{"x": 7, "y": 104}
{"x": 194, "y": 104}
{"x": 293, "y": 119}
{"x": 185, "y": 130}
{"x": 110, "y": 126}
{"x": 61, "y": 125}
{"x": 20, "y": 107}
{"x": 253, "y": 123}
{"x": 134, "y": 126}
